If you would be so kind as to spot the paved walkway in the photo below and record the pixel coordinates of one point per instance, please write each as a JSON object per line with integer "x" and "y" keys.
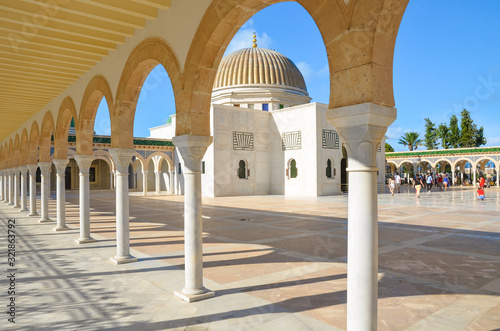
{"x": 275, "y": 263}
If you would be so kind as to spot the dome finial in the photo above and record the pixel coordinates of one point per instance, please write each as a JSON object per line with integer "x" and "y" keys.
{"x": 254, "y": 40}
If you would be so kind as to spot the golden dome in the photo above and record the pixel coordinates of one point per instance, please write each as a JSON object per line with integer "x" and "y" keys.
{"x": 258, "y": 66}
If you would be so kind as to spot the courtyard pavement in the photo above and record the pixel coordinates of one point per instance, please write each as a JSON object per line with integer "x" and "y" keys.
{"x": 274, "y": 262}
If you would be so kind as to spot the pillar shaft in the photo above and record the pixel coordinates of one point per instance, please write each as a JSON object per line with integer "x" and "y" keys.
{"x": 192, "y": 148}
{"x": 24, "y": 193}
{"x": 122, "y": 158}
{"x": 157, "y": 181}
{"x": 44, "y": 188}
{"x": 144, "y": 182}
{"x": 32, "y": 169}
{"x": 84, "y": 162}
{"x": 60, "y": 165}
{"x": 362, "y": 128}
{"x": 171, "y": 188}
{"x": 11, "y": 187}
{"x": 16, "y": 188}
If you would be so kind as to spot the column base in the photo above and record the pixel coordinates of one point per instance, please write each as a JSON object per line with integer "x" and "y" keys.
{"x": 44, "y": 220}
{"x": 61, "y": 228}
{"x": 33, "y": 214}
{"x": 85, "y": 240}
{"x": 16, "y": 206}
{"x": 23, "y": 210}
{"x": 194, "y": 297}
{"x": 10, "y": 204}
{"x": 123, "y": 259}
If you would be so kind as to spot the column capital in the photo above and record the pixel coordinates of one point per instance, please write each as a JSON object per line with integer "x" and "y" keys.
{"x": 23, "y": 170}
{"x": 361, "y": 128}
{"x": 44, "y": 166}
{"x": 84, "y": 162}
{"x": 60, "y": 165}
{"x": 192, "y": 148}
{"x": 32, "y": 168}
{"x": 122, "y": 157}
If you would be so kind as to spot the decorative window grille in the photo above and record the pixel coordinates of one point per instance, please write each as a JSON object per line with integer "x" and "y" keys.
{"x": 292, "y": 140}
{"x": 242, "y": 141}
{"x": 330, "y": 139}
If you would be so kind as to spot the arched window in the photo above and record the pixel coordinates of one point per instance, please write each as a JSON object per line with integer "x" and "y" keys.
{"x": 242, "y": 170}
{"x": 292, "y": 169}
{"x": 330, "y": 170}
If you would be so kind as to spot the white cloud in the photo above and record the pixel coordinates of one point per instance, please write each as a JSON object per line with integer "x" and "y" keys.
{"x": 493, "y": 141}
{"x": 395, "y": 132}
{"x": 305, "y": 69}
{"x": 324, "y": 71}
{"x": 243, "y": 39}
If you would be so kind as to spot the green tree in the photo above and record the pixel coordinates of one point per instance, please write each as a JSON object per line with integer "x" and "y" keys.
{"x": 470, "y": 135}
{"x": 467, "y": 129}
{"x": 430, "y": 135}
{"x": 443, "y": 133}
{"x": 454, "y": 135}
{"x": 388, "y": 148}
{"x": 411, "y": 140}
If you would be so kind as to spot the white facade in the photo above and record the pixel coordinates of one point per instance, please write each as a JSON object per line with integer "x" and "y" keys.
{"x": 267, "y": 139}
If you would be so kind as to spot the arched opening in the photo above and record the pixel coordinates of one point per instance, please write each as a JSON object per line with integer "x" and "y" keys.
{"x": 242, "y": 170}
{"x": 330, "y": 170}
{"x": 344, "y": 176}
{"x": 292, "y": 170}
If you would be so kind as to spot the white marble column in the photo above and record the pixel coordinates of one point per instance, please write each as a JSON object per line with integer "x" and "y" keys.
{"x": 44, "y": 188}
{"x": 111, "y": 180}
{"x": 144, "y": 182}
{"x": 453, "y": 181}
{"x": 157, "y": 181}
{"x": 24, "y": 193}
{"x": 361, "y": 129}
{"x": 1, "y": 185}
{"x": 16, "y": 187}
{"x": 60, "y": 165}
{"x": 171, "y": 189}
{"x": 474, "y": 176}
{"x": 122, "y": 158}
{"x": 192, "y": 148}
{"x": 84, "y": 162}
{"x": 11, "y": 187}
{"x": 32, "y": 169}
{"x": 498, "y": 174}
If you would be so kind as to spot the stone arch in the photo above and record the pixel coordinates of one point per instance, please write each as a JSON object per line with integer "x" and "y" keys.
{"x": 454, "y": 164}
{"x": 96, "y": 89}
{"x": 10, "y": 154}
{"x": 24, "y": 147}
{"x": 162, "y": 155}
{"x": 145, "y": 56}
{"x": 34, "y": 141}
{"x": 17, "y": 151}
{"x": 105, "y": 153}
{"x": 46, "y": 133}
{"x": 360, "y": 36}
{"x": 142, "y": 160}
{"x": 67, "y": 111}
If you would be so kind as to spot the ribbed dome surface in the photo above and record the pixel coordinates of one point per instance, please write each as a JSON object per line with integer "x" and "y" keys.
{"x": 259, "y": 66}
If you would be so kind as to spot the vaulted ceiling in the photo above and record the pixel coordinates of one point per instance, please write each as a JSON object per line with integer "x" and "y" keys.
{"x": 46, "y": 45}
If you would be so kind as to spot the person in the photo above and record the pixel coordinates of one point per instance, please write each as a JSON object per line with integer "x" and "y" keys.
{"x": 392, "y": 184}
{"x": 446, "y": 182}
{"x": 480, "y": 193}
{"x": 417, "y": 184}
{"x": 397, "y": 178}
{"x": 481, "y": 182}
{"x": 429, "y": 181}
{"x": 439, "y": 182}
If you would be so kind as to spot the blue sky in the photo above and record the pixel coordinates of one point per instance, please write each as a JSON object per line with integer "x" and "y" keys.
{"x": 447, "y": 58}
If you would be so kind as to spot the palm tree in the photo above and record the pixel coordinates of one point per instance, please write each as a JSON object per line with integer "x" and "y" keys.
{"x": 411, "y": 140}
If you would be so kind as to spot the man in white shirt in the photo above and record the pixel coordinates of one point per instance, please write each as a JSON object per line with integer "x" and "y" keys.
{"x": 397, "y": 178}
